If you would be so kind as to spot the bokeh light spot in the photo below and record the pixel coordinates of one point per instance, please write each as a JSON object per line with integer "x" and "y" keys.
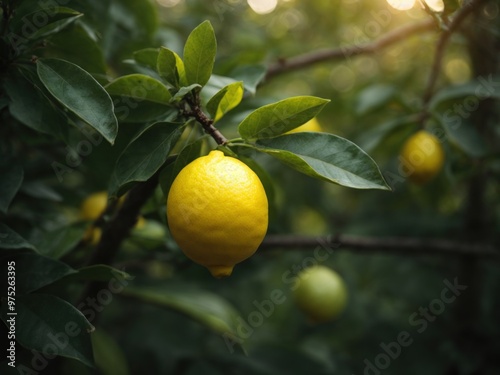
{"x": 262, "y": 6}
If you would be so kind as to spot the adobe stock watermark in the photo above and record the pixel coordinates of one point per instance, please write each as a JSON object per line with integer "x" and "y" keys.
{"x": 453, "y": 119}
{"x": 420, "y": 319}
{"x": 265, "y": 308}
{"x": 57, "y": 342}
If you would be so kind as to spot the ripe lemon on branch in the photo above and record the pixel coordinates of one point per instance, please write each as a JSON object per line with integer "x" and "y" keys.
{"x": 217, "y": 212}
{"x": 422, "y": 157}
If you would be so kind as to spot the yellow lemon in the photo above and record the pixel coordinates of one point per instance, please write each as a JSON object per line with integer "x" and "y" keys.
{"x": 310, "y": 126}
{"x": 92, "y": 208}
{"x": 422, "y": 157}
{"x": 94, "y": 205}
{"x": 320, "y": 293}
{"x": 217, "y": 212}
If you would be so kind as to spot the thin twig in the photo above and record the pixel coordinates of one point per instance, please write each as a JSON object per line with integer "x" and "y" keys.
{"x": 397, "y": 245}
{"x": 307, "y": 59}
{"x": 459, "y": 17}
{"x": 206, "y": 122}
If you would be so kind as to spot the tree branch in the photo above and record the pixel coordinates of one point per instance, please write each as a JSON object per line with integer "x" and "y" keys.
{"x": 459, "y": 17}
{"x": 118, "y": 229}
{"x": 307, "y": 59}
{"x": 205, "y": 121}
{"x": 397, "y": 245}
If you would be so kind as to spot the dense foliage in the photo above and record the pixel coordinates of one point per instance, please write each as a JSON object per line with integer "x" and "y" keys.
{"x": 119, "y": 95}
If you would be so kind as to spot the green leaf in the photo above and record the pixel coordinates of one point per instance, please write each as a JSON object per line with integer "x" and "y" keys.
{"x": 464, "y": 135}
{"x": 476, "y": 90}
{"x": 374, "y": 97}
{"x": 140, "y": 98}
{"x": 27, "y": 22}
{"x": 214, "y": 85}
{"x": 209, "y": 309}
{"x": 10, "y": 239}
{"x": 61, "y": 241}
{"x": 199, "y": 54}
{"x": 371, "y": 139}
{"x": 186, "y": 156}
{"x": 55, "y": 27}
{"x": 139, "y": 87}
{"x": 183, "y": 91}
{"x": 34, "y": 271}
{"x": 12, "y": 177}
{"x": 147, "y": 57}
{"x": 31, "y": 107}
{"x": 144, "y": 155}
{"x": 41, "y": 190}
{"x": 171, "y": 68}
{"x": 87, "y": 56}
{"x": 326, "y": 157}
{"x": 51, "y": 326}
{"x": 225, "y": 100}
{"x": 251, "y": 75}
{"x": 78, "y": 91}
{"x": 278, "y": 118}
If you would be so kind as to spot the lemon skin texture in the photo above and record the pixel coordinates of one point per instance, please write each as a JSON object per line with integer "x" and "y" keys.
{"x": 310, "y": 126}
{"x": 217, "y": 212}
{"x": 423, "y": 157}
{"x": 320, "y": 293}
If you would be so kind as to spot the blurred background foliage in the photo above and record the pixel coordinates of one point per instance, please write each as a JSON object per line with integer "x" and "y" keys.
{"x": 367, "y": 93}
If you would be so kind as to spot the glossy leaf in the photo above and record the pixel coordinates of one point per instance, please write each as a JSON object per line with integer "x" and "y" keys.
{"x": 183, "y": 91}
{"x": 30, "y": 106}
{"x": 28, "y": 25}
{"x": 171, "y": 67}
{"x": 209, "y": 309}
{"x": 327, "y": 157}
{"x": 277, "y": 118}
{"x": 87, "y": 56}
{"x": 139, "y": 87}
{"x": 199, "y": 54}
{"x": 144, "y": 155}
{"x": 78, "y": 91}
{"x": 147, "y": 57}
{"x": 9, "y": 239}
{"x": 251, "y": 75}
{"x": 12, "y": 176}
{"x": 225, "y": 100}
{"x": 52, "y": 326}
{"x": 61, "y": 241}
{"x": 140, "y": 98}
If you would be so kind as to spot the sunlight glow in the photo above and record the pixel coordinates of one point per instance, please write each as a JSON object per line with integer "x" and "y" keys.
{"x": 168, "y": 3}
{"x": 435, "y": 5}
{"x": 262, "y": 6}
{"x": 401, "y": 4}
